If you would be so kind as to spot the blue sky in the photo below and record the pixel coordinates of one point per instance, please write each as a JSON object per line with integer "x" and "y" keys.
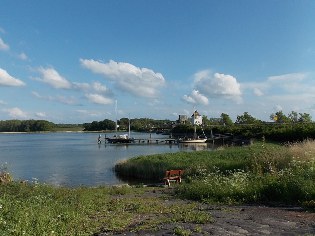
{"x": 70, "y": 61}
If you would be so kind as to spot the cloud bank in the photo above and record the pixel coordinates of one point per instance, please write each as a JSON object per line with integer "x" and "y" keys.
{"x": 207, "y": 85}
{"x": 196, "y": 98}
{"x": 141, "y": 82}
{"x": 8, "y": 80}
{"x": 53, "y": 78}
{"x": 95, "y": 92}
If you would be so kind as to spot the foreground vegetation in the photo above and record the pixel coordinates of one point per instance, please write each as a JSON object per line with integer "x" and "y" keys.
{"x": 263, "y": 172}
{"x": 37, "y": 209}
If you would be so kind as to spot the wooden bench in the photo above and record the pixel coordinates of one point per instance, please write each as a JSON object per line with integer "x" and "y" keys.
{"x": 173, "y": 176}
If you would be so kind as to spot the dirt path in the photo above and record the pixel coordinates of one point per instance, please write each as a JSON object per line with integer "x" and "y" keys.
{"x": 240, "y": 220}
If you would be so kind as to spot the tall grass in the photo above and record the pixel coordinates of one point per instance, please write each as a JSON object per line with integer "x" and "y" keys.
{"x": 284, "y": 174}
{"x": 263, "y": 172}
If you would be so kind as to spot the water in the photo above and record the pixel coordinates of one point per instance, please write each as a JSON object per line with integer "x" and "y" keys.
{"x": 73, "y": 159}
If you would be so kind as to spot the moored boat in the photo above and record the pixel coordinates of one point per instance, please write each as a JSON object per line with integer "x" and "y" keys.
{"x": 196, "y": 119}
{"x": 198, "y": 140}
{"x": 122, "y": 138}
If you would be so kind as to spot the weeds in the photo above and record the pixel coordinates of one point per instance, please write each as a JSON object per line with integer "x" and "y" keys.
{"x": 26, "y": 209}
{"x": 260, "y": 173}
{"x": 263, "y": 172}
{"x": 5, "y": 176}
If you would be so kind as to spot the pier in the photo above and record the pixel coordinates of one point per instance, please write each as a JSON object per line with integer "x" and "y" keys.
{"x": 142, "y": 141}
{"x": 156, "y": 141}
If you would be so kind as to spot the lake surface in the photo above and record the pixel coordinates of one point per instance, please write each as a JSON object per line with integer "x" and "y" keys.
{"x": 73, "y": 159}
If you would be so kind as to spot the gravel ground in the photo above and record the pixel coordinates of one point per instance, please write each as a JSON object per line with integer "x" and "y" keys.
{"x": 241, "y": 220}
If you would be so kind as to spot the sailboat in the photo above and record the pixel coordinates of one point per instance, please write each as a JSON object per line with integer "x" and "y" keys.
{"x": 196, "y": 120}
{"x": 121, "y": 138}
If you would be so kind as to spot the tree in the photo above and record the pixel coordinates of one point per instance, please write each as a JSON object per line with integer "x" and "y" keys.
{"x": 107, "y": 125}
{"x": 293, "y": 117}
{"x": 123, "y": 123}
{"x": 279, "y": 117}
{"x": 305, "y": 118}
{"x": 246, "y": 119}
{"x": 226, "y": 120}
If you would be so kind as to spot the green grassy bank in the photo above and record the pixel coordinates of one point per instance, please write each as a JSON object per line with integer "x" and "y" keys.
{"x": 36, "y": 209}
{"x": 267, "y": 173}
{"x": 263, "y": 172}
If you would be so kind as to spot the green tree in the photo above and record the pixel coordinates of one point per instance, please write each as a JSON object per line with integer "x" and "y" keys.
{"x": 246, "y": 119}
{"x": 123, "y": 123}
{"x": 226, "y": 120}
{"x": 107, "y": 125}
{"x": 279, "y": 117}
{"x": 293, "y": 117}
{"x": 305, "y": 118}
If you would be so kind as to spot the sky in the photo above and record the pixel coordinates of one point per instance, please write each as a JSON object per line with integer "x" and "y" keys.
{"x": 79, "y": 61}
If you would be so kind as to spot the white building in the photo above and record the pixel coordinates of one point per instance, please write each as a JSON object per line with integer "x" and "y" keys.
{"x": 196, "y": 118}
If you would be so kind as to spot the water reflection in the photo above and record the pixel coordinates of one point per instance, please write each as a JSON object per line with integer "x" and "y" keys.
{"x": 195, "y": 146}
{"x": 73, "y": 159}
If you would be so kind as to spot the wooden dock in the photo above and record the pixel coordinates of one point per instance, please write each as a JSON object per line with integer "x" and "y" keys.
{"x": 156, "y": 141}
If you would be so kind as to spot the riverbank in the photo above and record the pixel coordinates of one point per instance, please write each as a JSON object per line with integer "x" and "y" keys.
{"x": 125, "y": 210}
{"x": 263, "y": 172}
{"x": 264, "y": 189}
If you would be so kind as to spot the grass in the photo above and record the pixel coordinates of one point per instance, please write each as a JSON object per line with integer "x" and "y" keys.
{"x": 36, "y": 209}
{"x": 263, "y": 172}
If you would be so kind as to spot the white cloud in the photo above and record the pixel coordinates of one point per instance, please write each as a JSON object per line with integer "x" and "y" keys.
{"x": 40, "y": 114}
{"x": 293, "y": 77}
{"x": 58, "y": 98}
{"x": 196, "y": 98}
{"x": 95, "y": 86}
{"x": 81, "y": 86}
{"x": 289, "y": 82}
{"x": 2, "y": 102}
{"x": 208, "y": 85}
{"x": 3, "y": 45}
{"x": 98, "y": 87}
{"x": 140, "y": 82}
{"x": 23, "y": 56}
{"x": 53, "y": 78}
{"x": 294, "y": 83}
{"x": 16, "y": 113}
{"x": 8, "y": 80}
{"x": 99, "y": 99}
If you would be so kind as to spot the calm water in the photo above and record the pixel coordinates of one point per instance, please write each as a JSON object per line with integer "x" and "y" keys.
{"x": 72, "y": 159}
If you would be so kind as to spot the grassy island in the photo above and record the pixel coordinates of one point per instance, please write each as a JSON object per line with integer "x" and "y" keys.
{"x": 261, "y": 173}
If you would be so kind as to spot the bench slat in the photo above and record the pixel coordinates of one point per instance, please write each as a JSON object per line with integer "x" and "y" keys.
{"x": 173, "y": 175}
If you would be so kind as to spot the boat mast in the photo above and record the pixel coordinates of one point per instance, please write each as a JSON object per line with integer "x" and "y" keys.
{"x": 195, "y": 125}
{"x": 129, "y": 127}
{"x": 195, "y": 131}
{"x": 116, "y": 116}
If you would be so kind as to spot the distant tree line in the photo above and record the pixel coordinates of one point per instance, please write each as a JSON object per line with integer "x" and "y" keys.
{"x": 140, "y": 125}
{"x": 25, "y": 125}
{"x": 282, "y": 128}
{"x": 100, "y": 125}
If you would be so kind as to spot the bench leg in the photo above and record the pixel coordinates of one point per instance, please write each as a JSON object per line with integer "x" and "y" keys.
{"x": 167, "y": 182}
